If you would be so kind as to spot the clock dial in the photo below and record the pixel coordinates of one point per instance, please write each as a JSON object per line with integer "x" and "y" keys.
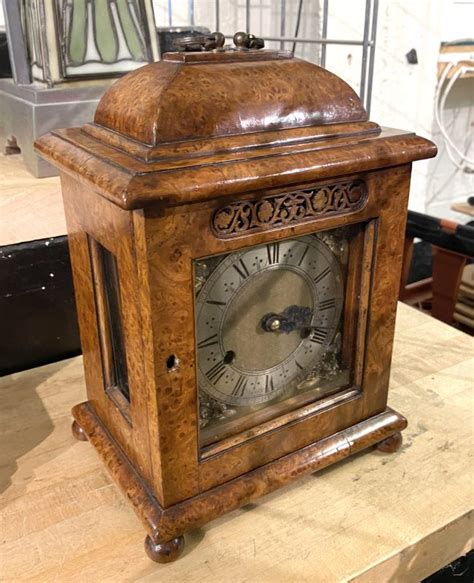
{"x": 265, "y": 317}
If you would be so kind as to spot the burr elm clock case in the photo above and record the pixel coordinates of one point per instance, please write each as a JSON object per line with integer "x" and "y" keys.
{"x": 236, "y": 229}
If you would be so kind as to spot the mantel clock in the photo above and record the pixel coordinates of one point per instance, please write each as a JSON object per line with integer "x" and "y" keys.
{"x": 236, "y": 230}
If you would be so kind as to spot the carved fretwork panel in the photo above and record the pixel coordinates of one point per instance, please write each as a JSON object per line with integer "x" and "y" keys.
{"x": 291, "y": 207}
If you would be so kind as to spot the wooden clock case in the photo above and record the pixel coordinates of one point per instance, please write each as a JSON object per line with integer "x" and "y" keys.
{"x": 173, "y": 145}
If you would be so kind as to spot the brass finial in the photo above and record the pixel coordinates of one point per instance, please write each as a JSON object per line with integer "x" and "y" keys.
{"x": 244, "y": 40}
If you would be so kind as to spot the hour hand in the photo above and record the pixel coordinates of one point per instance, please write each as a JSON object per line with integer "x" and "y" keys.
{"x": 292, "y": 318}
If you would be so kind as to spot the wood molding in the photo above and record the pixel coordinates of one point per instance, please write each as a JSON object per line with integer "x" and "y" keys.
{"x": 132, "y": 183}
{"x": 165, "y": 524}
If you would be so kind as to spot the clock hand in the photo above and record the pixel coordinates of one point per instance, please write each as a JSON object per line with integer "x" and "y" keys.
{"x": 292, "y": 318}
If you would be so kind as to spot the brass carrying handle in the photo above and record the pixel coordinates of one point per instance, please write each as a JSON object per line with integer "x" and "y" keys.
{"x": 200, "y": 42}
{"x": 210, "y": 42}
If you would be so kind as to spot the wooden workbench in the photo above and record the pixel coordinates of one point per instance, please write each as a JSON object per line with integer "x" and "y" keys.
{"x": 375, "y": 517}
{"x": 30, "y": 208}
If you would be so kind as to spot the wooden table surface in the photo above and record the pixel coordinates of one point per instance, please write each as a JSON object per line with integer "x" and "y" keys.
{"x": 375, "y": 517}
{"x": 30, "y": 208}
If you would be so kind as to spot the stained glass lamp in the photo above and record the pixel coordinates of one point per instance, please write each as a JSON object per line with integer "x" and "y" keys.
{"x": 64, "y": 55}
{"x": 68, "y": 39}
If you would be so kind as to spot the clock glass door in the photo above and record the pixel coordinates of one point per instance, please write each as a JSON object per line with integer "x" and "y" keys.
{"x": 275, "y": 328}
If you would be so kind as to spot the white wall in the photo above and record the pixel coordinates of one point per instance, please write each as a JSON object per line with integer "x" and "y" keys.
{"x": 403, "y": 94}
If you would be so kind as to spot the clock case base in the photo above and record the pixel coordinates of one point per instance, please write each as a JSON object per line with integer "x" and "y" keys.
{"x": 165, "y": 527}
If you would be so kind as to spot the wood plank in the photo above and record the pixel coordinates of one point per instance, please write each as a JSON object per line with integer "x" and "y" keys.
{"x": 464, "y": 208}
{"x": 374, "y": 517}
{"x": 30, "y": 208}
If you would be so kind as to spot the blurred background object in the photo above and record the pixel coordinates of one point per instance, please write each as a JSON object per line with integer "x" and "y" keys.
{"x": 439, "y": 279}
{"x": 52, "y": 42}
{"x": 63, "y": 55}
{"x": 93, "y": 38}
{"x": 5, "y": 66}
{"x": 456, "y": 63}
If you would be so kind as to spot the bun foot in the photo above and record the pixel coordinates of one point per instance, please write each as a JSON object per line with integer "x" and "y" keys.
{"x": 164, "y": 552}
{"x": 78, "y": 432}
{"x": 390, "y": 444}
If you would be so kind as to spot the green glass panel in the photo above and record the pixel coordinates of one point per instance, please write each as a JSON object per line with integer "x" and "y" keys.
{"x": 105, "y": 37}
{"x": 78, "y": 32}
{"x": 129, "y": 30}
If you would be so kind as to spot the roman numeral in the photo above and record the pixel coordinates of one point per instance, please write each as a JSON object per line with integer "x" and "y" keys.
{"x": 303, "y": 256}
{"x": 318, "y": 335}
{"x": 327, "y": 304}
{"x": 210, "y": 341}
{"x": 240, "y": 387}
{"x": 215, "y": 303}
{"x": 216, "y": 372}
{"x": 322, "y": 275}
{"x": 269, "y": 387}
{"x": 273, "y": 252}
{"x": 241, "y": 269}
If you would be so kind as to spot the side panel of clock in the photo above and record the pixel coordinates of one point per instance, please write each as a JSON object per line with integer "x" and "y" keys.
{"x": 174, "y": 239}
{"x": 112, "y": 317}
